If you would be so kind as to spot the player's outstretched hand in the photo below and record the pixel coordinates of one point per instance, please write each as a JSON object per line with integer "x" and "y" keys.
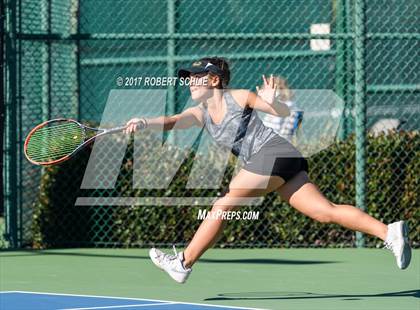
{"x": 268, "y": 92}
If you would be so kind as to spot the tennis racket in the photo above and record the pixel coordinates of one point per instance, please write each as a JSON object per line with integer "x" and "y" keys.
{"x": 58, "y": 140}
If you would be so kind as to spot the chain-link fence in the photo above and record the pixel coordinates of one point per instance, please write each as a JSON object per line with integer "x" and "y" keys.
{"x": 63, "y": 57}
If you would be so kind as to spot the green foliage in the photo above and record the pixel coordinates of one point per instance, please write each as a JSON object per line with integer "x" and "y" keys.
{"x": 393, "y": 190}
{"x": 3, "y": 242}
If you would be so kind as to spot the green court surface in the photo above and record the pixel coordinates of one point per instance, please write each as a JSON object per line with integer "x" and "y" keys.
{"x": 261, "y": 278}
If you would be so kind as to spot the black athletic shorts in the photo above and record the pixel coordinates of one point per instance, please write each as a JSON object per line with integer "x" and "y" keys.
{"x": 277, "y": 157}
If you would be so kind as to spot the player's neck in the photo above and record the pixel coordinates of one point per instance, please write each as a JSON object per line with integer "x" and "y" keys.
{"x": 216, "y": 100}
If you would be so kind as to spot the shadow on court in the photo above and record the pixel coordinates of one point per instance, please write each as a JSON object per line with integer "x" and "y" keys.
{"x": 270, "y": 261}
{"x": 307, "y": 295}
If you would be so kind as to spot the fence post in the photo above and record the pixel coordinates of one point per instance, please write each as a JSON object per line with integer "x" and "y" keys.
{"x": 341, "y": 66}
{"x": 2, "y": 95}
{"x": 10, "y": 160}
{"x": 75, "y": 29}
{"x": 45, "y": 8}
{"x": 360, "y": 103}
{"x": 171, "y": 108}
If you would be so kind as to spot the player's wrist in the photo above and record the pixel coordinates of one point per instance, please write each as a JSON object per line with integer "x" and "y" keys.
{"x": 143, "y": 123}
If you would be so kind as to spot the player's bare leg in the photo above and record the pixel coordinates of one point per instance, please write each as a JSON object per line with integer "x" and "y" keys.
{"x": 305, "y": 197}
{"x": 245, "y": 186}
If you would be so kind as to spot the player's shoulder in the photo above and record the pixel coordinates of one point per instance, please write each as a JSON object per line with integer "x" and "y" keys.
{"x": 239, "y": 92}
{"x": 240, "y": 95}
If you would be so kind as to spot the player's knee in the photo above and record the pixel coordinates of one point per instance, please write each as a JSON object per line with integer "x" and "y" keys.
{"x": 323, "y": 218}
{"x": 326, "y": 217}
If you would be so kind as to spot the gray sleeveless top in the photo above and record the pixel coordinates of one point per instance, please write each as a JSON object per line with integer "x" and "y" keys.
{"x": 241, "y": 130}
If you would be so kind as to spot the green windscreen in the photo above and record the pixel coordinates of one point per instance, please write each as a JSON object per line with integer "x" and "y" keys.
{"x": 54, "y": 141}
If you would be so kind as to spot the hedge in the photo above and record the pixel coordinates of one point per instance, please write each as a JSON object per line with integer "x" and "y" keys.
{"x": 393, "y": 190}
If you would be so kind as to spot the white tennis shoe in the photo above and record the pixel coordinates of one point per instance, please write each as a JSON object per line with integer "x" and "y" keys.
{"x": 171, "y": 263}
{"x": 397, "y": 242}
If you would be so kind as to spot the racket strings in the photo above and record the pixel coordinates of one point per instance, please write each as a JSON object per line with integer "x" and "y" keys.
{"x": 40, "y": 157}
{"x": 51, "y": 152}
{"x": 63, "y": 139}
{"x": 55, "y": 136}
{"x": 54, "y": 129}
{"x": 54, "y": 142}
{"x": 58, "y": 128}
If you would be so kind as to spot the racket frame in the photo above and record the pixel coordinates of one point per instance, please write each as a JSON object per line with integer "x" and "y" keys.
{"x": 76, "y": 150}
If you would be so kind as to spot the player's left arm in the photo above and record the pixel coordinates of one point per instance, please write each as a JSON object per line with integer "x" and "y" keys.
{"x": 247, "y": 98}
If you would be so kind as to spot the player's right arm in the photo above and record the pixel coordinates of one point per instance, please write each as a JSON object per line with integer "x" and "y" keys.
{"x": 188, "y": 118}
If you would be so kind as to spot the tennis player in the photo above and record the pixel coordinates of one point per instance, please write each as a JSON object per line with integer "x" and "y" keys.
{"x": 271, "y": 163}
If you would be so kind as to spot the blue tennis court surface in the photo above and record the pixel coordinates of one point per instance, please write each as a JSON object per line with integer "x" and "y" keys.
{"x": 17, "y": 300}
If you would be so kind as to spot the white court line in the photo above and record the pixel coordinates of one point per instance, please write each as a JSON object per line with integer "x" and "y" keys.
{"x": 5, "y": 292}
{"x": 123, "y": 306}
{"x": 128, "y": 298}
